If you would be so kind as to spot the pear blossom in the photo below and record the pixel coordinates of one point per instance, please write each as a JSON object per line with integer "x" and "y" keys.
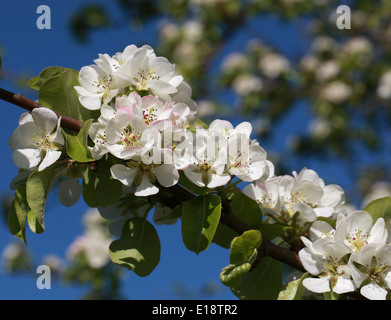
{"x": 326, "y": 259}
{"x": 266, "y": 195}
{"x": 38, "y": 140}
{"x": 357, "y": 230}
{"x": 208, "y": 167}
{"x": 246, "y": 160}
{"x": 147, "y": 72}
{"x": 303, "y": 192}
{"x": 99, "y": 83}
{"x": 127, "y": 135}
{"x": 144, "y": 176}
{"x": 371, "y": 271}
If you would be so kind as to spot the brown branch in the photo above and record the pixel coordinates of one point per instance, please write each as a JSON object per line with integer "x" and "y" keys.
{"x": 29, "y": 105}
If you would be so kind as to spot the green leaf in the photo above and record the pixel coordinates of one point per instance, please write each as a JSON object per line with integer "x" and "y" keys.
{"x": 231, "y": 275}
{"x": 58, "y": 93}
{"x": 38, "y": 186}
{"x": 46, "y": 74}
{"x": 34, "y": 222}
{"x": 294, "y": 289}
{"x": 379, "y": 208}
{"x": 99, "y": 188}
{"x": 243, "y": 247}
{"x": 138, "y": 249}
{"x": 200, "y": 217}
{"x": 262, "y": 283}
{"x": 77, "y": 145}
{"x": 246, "y": 209}
{"x": 271, "y": 231}
{"x": 18, "y": 213}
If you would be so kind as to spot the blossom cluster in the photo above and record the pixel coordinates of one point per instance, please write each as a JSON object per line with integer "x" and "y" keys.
{"x": 356, "y": 254}
{"x": 147, "y": 122}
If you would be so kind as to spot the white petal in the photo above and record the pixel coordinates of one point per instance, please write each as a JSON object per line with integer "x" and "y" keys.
{"x": 22, "y": 137}
{"x": 45, "y": 119}
{"x": 89, "y": 75}
{"x": 324, "y": 212}
{"x": 51, "y": 157}
{"x": 373, "y": 291}
{"x": 90, "y": 101}
{"x": 317, "y": 285}
{"x": 343, "y": 285}
{"x": 379, "y": 232}
{"x": 124, "y": 174}
{"x": 216, "y": 180}
{"x": 194, "y": 177}
{"x": 146, "y": 188}
{"x": 167, "y": 175}
{"x": 26, "y": 158}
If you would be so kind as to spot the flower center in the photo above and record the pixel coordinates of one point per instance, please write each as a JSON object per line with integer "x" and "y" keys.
{"x": 104, "y": 84}
{"x": 130, "y": 139}
{"x": 357, "y": 240}
{"x": 43, "y": 141}
{"x": 144, "y": 76}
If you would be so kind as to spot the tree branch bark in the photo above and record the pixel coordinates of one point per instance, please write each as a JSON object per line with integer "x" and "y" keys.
{"x": 29, "y": 105}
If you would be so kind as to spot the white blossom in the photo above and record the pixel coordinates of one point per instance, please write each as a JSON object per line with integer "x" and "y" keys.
{"x": 371, "y": 271}
{"x": 38, "y": 140}
{"x": 325, "y": 258}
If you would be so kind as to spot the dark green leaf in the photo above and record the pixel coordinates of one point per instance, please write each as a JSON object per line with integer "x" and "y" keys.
{"x": 262, "y": 283}
{"x": 99, "y": 188}
{"x": 200, "y": 217}
{"x": 138, "y": 249}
